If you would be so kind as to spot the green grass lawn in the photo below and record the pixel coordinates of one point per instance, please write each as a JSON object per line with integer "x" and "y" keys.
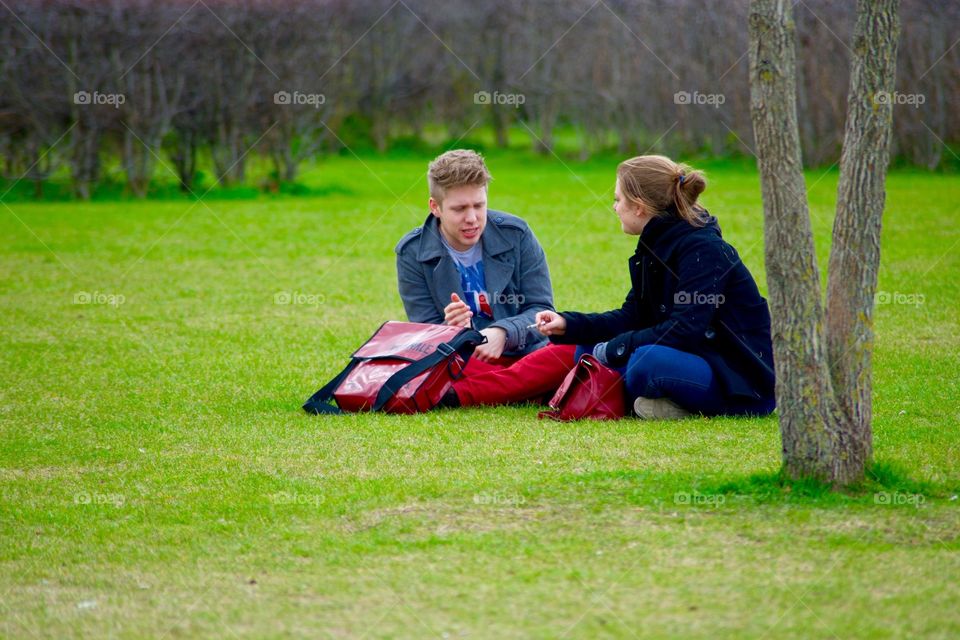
{"x": 160, "y": 480}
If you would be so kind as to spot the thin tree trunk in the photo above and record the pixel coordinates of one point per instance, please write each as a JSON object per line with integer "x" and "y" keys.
{"x": 184, "y": 155}
{"x": 855, "y": 253}
{"x": 810, "y": 419}
{"x": 499, "y": 118}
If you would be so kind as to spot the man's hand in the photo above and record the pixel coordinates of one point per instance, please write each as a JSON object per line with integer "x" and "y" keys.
{"x": 551, "y": 323}
{"x": 457, "y": 313}
{"x": 493, "y": 349}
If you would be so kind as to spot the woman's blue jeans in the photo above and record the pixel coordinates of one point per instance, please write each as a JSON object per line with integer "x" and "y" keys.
{"x": 655, "y": 371}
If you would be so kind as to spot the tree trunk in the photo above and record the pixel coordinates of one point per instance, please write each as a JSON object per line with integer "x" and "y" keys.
{"x": 380, "y": 129}
{"x": 823, "y": 360}
{"x": 137, "y": 162}
{"x": 501, "y": 127}
{"x": 500, "y": 118}
{"x": 229, "y": 155}
{"x": 85, "y": 160}
{"x": 855, "y": 253}
{"x": 811, "y": 422}
{"x": 291, "y": 166}
{"x": 184, "y": 156}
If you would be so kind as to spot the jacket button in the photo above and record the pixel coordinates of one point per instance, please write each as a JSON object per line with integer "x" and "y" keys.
{"x": 498, "y": 219}
{"x": 621, "y": 349}
{"x": 663, "y": 308}
{"x": 709, "y": 334}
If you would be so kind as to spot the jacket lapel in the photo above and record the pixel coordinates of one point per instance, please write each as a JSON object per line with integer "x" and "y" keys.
{"x": 497, "y": 272}
{"x": 444, "y": 275}
{"x": 497, "y": 263}
{"x": 446, "y": 280}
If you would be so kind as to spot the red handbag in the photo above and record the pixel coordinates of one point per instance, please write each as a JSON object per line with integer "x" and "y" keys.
{"x": 405, "y": 367}
{"x": 591, "y": 390}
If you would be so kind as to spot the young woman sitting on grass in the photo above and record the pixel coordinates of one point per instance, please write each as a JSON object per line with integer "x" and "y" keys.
{"x": 693, "y": 335}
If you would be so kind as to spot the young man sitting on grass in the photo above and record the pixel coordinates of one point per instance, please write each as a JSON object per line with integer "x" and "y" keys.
{"x": 467, "y": 266}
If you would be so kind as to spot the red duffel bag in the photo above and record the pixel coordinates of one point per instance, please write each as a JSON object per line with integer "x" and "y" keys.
{"x": 591, "y": 390}
{"x": 405, "y": 367}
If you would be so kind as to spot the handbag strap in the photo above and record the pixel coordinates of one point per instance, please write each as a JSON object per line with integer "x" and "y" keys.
{"x": 463, "y": 345}
{"x": 320, "y": 401}
{"x": 588, "y": 364}
{"x": 562, "y": 394}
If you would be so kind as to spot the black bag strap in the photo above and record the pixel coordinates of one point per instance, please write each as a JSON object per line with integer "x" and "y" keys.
{"x": 463, "y": 344}
{"x": 320, "y": 401}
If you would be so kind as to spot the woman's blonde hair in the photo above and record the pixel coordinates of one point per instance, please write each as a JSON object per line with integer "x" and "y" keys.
{"x": 659, "y": 183}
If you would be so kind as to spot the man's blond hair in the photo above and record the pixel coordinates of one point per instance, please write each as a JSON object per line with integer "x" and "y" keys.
{"x": 456, "y": 168}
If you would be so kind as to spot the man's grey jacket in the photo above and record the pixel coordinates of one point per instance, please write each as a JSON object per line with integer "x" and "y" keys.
{"x": 515, "y": 268}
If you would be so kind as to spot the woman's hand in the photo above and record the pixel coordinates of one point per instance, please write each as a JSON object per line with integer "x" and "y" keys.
{"x": 551, "y": 323}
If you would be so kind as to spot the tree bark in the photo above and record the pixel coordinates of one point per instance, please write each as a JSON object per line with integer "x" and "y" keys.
{"x": 823, "y": 360}
{"x": 855, "y": 252}
{"x": 811, "y": 423}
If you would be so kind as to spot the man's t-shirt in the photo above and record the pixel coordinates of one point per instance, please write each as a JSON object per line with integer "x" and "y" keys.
{"x": 470, "y": 265}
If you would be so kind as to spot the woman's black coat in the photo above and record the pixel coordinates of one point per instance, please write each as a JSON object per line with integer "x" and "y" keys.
{"x": 690, "y": 291}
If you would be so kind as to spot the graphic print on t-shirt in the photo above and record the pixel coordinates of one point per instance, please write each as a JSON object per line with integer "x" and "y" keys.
{"x": 472, "y": 279}
{"x": 474, "y": 284}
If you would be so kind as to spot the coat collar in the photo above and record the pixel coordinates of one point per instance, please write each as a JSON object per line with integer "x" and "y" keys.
{"x": 655, "y": 236}
{"x": 431, "y": 246}
{"x": 664, "y": 231}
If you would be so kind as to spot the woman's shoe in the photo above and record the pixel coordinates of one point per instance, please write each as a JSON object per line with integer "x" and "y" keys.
{"x": 658, "y": 409}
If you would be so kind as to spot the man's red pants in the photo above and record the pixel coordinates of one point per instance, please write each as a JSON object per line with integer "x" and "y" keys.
{"x": 535, "y": 376}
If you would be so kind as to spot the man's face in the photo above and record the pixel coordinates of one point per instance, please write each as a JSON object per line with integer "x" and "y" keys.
{"x": 462, "y": 215}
